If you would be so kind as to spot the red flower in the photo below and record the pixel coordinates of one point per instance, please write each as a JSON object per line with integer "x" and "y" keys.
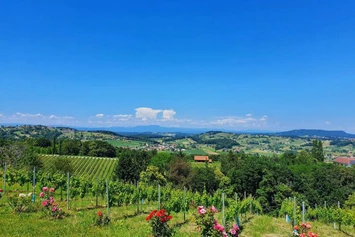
{"x": 311, "y": 234}
{"x": 0, "y": 190}
{"x": 99, "y": 213}
{"x": 151, "y": 215}
{"x": 160, "y": 213}
{"x": 296, "y": 227}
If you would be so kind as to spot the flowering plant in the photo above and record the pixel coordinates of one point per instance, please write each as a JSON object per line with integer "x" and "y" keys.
{"x": 304, "y": 230}
{"x": 0, "y": 193}
{"x": 21, "y": 203}
{"x": 49, "y": 206}
{"x": 209, "y": 226}
{"x": 234, "y": 231}
{"x": 102, "y": 219}
{"x": 159, "y": 222}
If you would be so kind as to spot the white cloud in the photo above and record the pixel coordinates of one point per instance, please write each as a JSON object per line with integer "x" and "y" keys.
{"x": 168, "y": 114}
{"x": 233, "y": 121}
{"x": 28, "y": 118}
{"x": 1, "y": 115}
{"x": 122, "y": 117}
{"x": 328, "y": 123}
{"x": 29, "y": 115}
{"x": 99, "y": 115}
{"x": 145, "y": 113}
{"x": 246, "y": 121}
{"x": 264, "y": 118}
{"x": 58, "y": 117}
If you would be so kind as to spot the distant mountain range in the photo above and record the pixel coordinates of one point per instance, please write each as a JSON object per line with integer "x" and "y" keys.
{"x": 159, "y": 129}
{"x": 315, "y": 133}
{"x": 146, "y": 129}
{"x": 155, "y": 129}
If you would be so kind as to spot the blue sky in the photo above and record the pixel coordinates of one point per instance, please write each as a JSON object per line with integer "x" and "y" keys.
{"x": 261, "y": 65}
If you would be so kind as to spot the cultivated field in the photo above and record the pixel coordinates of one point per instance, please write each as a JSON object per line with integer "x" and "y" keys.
{"x": 85, "y": 166}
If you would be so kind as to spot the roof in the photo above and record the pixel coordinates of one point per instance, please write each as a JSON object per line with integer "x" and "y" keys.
{"x": 201, "y": 158}
{"x": 345, "y": 160}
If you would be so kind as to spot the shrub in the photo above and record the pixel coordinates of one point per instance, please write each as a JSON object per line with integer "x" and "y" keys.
{"x": 304, "y": 230}
{"x": 101, "y": 219}
{"x": 208, "y": 225}
{"x": 21, "y": 204}
{"x": 159, "y": 222}
{"x": 50, "y": 207}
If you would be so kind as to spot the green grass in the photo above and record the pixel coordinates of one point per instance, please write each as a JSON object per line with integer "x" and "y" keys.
{"x": 265, "y": 226}
{"x": 215, "y": 165}
{"x": 195, "y": 152}
{"x": 126, "y": 143}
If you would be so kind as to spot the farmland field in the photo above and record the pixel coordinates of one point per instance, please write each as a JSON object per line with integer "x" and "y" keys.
{"x": 126, "y": 143}
{"x": 195, "y": 152}
{"x": 88, "y": 167}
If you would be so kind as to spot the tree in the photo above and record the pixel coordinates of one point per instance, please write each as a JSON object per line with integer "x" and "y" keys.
{"x": 350, "y": 202}
{"x": 31, "y": 159}
{"x": 204, "y": 179}
{"x": 303, "y": 157}
{"x": 288, "y": 158}
{"x": 152, "y": 176}
{"x": 317, "y": 150}
{"x": 162, "y": 161}
{"x": 43, "y": 142}
{"x": 97, "y": 148}
{"x": 131, "y": 163}
{"x": 54, "y": 147}
{"x": 71, "y": 147}
{"x": 61, "y": 165}
{"x": 179, "y": 172}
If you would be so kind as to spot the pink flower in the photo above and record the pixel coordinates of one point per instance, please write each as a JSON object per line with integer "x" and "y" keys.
{"x": 225, "y": 234}
{"x": 51, "y": 190}
{"x": 54, "y": 209}
{"x": 45, "y": 203}
{"x": 213, "y": 209}
{"x": 44, "y": 189}
{"x": 218, "y": 227}
{"x": 232, "y": 231}
{"x": 41, "y": 194}
{"x": 51, "y": 200}
{"x": 202, "y": 211}
{"x": 236, "y": 227}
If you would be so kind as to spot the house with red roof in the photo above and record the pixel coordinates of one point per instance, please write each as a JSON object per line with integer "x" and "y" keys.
{"x": 202, "y": 159}
{"x": 344, "y": 161}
